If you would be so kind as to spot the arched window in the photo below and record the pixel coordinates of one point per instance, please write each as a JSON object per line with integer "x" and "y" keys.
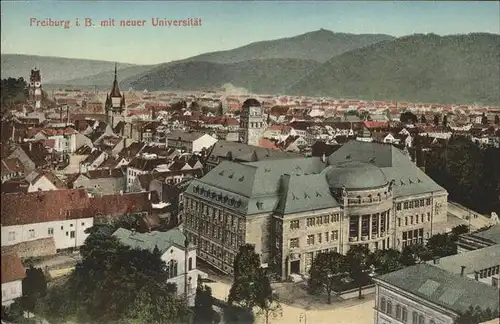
{"x": 398, "y": 312}
{"x": 382, "y": 305}
{"x": 359, "y": 199}
{"x": 190, "y": 264}
{"x": 415, "y": 318}
{"x": 389, "y": 307}
{"x": 421, "y": 319}
{"x": 172, "y": 269}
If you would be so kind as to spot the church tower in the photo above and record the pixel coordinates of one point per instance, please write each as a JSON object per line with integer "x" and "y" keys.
{"x": 252, "y": 122}
{"x": 115, "y": 104}
{"x": 35, "y": 88}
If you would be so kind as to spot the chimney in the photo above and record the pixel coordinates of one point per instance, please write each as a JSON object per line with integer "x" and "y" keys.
{"x": 462, "y": 271}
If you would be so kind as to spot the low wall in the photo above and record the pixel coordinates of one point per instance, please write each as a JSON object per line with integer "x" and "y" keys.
{"x": 32, "y": 249}
{"x": 354, "y": 293}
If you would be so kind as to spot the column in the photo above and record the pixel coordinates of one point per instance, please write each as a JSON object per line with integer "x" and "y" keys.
{"x": 387, "y": 221}
{"x": 360, "y": 219}
{"x": 379, "y": 216}
{"x": 370, "y": 227}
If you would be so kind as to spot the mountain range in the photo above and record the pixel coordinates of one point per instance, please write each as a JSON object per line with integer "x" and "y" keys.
{"x": 422, "y": 68}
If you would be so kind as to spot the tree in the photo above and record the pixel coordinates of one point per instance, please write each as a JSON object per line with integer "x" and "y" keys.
{"x": 415, "y": 253}
{"x": 423, "y": 120}
{"x": 442, "y": 245}
{"x": 34, "y": 286}
{"x": 436, "y": 120}
{"x": 352, "y": 113}
{"x": 246, "y": 268}
{"x": 484, "y": 119}
{"x": 477, "y": 315}
{"x": 385, "y": 261}
{"x": 205, "y": 110}
{"x": 497, "y": 120}
{"x": 265, "y": 299}
{"x": 114, "y": 283}
{"x": 203, "y": 305}
{"x": 195, "y": 106}
{"x": 460, "y": 229}
{"x": 445, "y": 121}
{"x": 364, "y": 115}
{"x": 359, "y": 264}
{"x": 408, "y": 117}
{"x": 327, "y": 272}
{"x": 14, "y": 92}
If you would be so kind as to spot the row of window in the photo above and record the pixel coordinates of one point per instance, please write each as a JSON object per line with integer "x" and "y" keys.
{"x": 216, "y": 251}
{"x": 215, "y": 215}
{"x": 327, "y": 236}
{"x": 316, "y": 221}
{"x": 401, "y": 313}
{"x": 50, "y": 231}
{"x": 410, "y": 220}
{"x": 414, "y": 204}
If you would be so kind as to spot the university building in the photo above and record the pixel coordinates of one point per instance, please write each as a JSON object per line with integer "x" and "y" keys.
{"x": 293, "y": 208}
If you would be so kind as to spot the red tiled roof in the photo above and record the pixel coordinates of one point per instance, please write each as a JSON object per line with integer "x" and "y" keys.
{"x": 12, "y": 268}
{"x": 375, "y": 124}
{"x": 265, "y": 143}
{"x": 47, "y": 206}
{"x": 13, "y": 165}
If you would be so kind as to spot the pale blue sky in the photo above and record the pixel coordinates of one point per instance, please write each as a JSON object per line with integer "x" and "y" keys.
{"x": 225, "y": 25}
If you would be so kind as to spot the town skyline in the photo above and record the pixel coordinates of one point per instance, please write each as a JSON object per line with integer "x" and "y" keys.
{"x": 222, "y": 26}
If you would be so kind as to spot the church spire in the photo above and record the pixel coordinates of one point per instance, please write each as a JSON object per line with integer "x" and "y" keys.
{"x": 115, "y": 91}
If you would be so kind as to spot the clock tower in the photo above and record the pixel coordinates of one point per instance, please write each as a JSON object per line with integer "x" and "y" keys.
{"x": 115, "y": 104}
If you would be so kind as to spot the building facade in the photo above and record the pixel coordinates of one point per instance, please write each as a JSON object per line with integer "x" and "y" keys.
{"x": 178, "y": 255}
{"x": 291, "y": 209}
{"x": 252, "y": 122}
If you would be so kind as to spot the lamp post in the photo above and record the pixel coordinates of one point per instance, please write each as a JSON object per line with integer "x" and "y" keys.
{"x": 304, "y": 317}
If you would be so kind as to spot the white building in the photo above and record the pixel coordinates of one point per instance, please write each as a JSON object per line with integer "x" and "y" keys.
{"x": 252, "y": 122}
{"x": 178, "y": 254}
{"x": 189, "y": 142}
{"x": 58, "y": 214}
{"x": 13, "y": 274}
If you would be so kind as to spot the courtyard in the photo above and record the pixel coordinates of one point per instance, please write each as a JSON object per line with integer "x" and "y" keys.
{"x": 300, "y": 307}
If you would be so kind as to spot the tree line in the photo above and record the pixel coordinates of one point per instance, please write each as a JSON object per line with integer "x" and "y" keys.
{"x": 469, "y": 172}
{"x": 332, "y": 272}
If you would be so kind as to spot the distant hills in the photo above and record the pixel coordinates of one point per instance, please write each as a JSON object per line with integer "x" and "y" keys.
{"x": 319, "y": 46}
{"x": 257, "y": 76}
{"x": 420, "y": 68}
{"x": 53, "y": 69}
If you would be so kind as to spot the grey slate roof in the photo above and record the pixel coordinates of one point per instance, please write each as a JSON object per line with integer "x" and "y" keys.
{"x": 355, "y": 175}
{"x": 409, "y": 180}
{"x": 271, "y": 184}
{"x": 148, "y": 241}
{"x": 245, "y": 153}
{"x": 443, "y": 288}
{"x": 473, "y": 260}
{"x": 491, "y": 234}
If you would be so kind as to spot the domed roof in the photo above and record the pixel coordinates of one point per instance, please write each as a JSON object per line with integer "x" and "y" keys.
{"x": 355, "y": 175}
{"x": 251, "y": 103}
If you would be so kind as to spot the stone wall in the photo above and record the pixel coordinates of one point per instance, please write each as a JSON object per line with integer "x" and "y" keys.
{"x": 35, "y": 248}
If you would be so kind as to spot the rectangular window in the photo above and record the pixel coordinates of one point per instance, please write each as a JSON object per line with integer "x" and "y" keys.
{"x": 335, "y": 235}
{"x": 406, "y": 221}
{"x": 67, "y": 233}
{"x": 326, "y": 219}
{"x": 294, "y": 243}
{"x": 62, "y": 228}
{"x": 72, "y": 234}
{"x": 399, "y": 222}
{"x": 405, "y": 205}
{"x": 417, "y": 203}
{"x": 421, "y": 202}
{"x": 327, "y": 237}
{"x": 410, "y": 205}
{"x": 319, "y": 238}
{"x": 51, "y": 231}
{"x": 411, "y": 220}
{"x": 416, "y": 219}
{"x": 398, "y": 206}
{"x": 428, "y": 201}
{"x": 428, "y": 217}
{"x": 294, "y": 224}
{"x": 31, "y": 233}
{"x": 12, "y": 236}
{"x": 422, "y": 218}
{"x": 310, "y": 239}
